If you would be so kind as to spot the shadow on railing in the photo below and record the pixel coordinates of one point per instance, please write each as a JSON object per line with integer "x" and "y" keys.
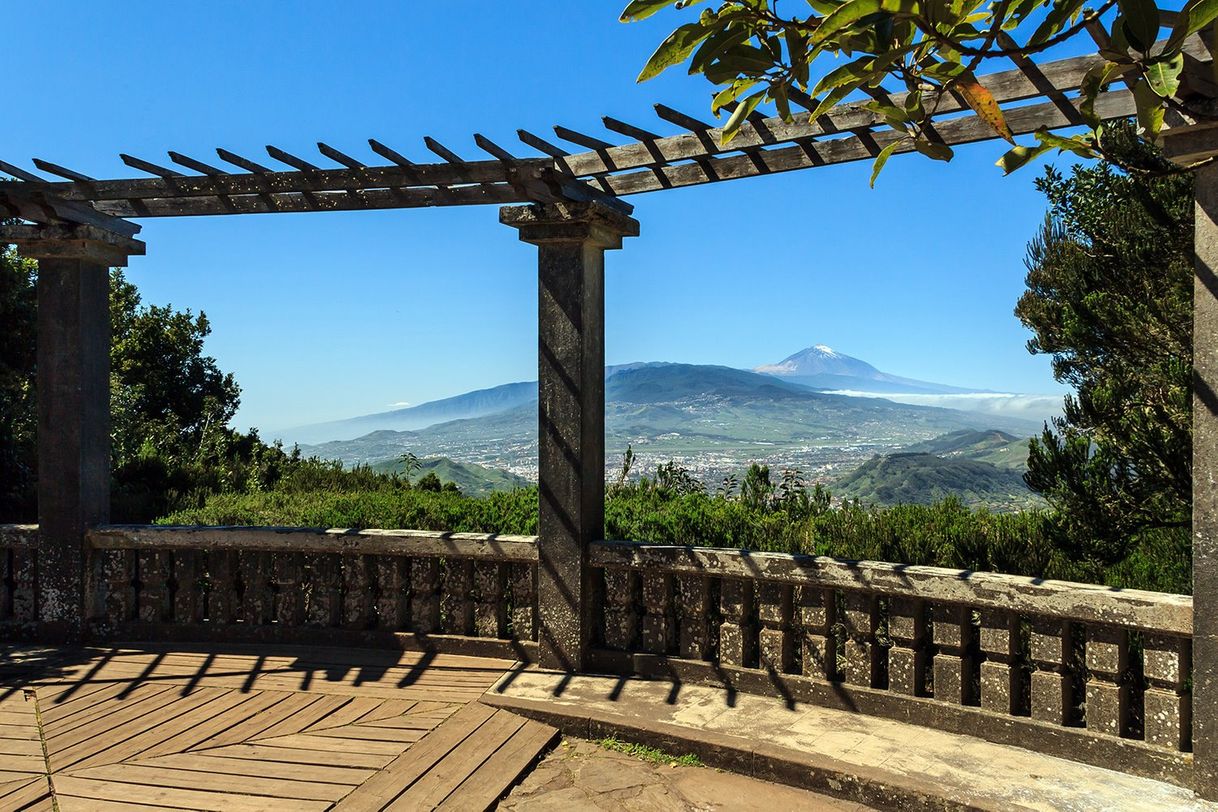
{"x": 1078, "y": 670}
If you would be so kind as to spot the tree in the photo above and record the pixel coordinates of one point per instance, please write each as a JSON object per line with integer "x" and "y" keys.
{"x": 170, "y": 403}
{"x": 17, "y": 417}
{"x": 1110, "y": 299}
{"x": 933, "y": 50}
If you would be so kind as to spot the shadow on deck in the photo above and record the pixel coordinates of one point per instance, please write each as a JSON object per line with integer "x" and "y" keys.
{"x": 238, "y": 728}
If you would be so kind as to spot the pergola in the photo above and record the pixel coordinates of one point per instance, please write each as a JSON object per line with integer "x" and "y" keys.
{"x": 569, "y": 202}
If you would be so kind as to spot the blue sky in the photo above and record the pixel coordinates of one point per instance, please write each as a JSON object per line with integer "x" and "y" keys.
{"x": 331, "y": 315}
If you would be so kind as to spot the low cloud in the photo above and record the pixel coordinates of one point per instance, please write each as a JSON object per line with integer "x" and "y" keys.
{"x": 400, "y": 404}
{"x": 1001, "y": 404}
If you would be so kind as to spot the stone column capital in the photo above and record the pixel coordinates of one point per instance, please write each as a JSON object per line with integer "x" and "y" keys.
{"x": 72, "y": 242}
{"x": 570, "y": 222}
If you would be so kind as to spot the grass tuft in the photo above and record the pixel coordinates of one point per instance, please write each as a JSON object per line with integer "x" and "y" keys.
{"x": 651, "y": 754}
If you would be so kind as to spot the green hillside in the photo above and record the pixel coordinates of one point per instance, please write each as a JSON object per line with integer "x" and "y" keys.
{"x": 922, "y": 479}
{"x": 473, "y": 480}
{"x": 992, "y": 446}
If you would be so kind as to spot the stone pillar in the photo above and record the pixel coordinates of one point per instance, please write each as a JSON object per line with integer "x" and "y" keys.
{"x": 571, "y": 240}
{"x": 73, "y": 388}
{"x": 1205, "y": 484}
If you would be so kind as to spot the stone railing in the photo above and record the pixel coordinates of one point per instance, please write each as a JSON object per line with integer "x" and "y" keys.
{"x": 449, "y": 591}
{"x": 17, "y": 550}
{"x": 1081, "y": 671}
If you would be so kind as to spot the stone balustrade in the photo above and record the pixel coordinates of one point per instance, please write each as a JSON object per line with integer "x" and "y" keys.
{"x": 1082, "y": 671}
{"x": 456, "y": 591}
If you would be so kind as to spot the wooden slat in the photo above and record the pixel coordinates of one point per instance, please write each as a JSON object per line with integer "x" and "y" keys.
{"x": 404, "y": 770}
{"x": 499, "y": 772}
{"x": 964, "y": 130}
{"x": 254, "y": 703}
{"x": 431, "y": 789}
{"x": 300, "y": 755}
{"x": 349, "y": 777}
{"x": 75, "y": 786}
{"x": 272, "y": 787}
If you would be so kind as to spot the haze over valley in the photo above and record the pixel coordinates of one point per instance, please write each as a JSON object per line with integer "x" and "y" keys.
{"x": 818, "y": 411}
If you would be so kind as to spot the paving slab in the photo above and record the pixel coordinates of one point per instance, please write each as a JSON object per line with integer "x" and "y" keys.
{"x": 880, "y": 762}
{"x": 581, "y": 775}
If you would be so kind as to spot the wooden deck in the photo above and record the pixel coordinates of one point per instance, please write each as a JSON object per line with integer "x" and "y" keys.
{"x": 238, "y": 729}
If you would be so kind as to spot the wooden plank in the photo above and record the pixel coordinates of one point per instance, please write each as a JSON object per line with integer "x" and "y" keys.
{"x": 210, "y": 781}
{"x": 295, "y": 755}
{"x": 328, "y": 655}
{"x": 26, "y": 795}
{"x": 253, "y": 726}
{"x": 362, "y": 732}
{"x": 957, "y": 131}
{"x": 497, "y": 774}
{"x": 313, "y": 714}
{"x": 61, "y": 743}
{"x": 68, "y": 803}
{"x": 165, "y": 724}
{"x": 75, "y": 786}
{"x": 205, "y": 762}
{"x": 254, "y": 704}
{"x": 440, "y": 781}
{"x": 353, "y": 711}
{"x": 326, "y": 744}
{"x": 288, "y": 182}
{"x": 404, "y": 770}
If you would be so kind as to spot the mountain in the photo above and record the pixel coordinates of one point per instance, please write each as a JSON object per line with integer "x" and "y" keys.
{"x": 992, "y": 446}
{"x": 822, "y": 367}
{"x": 714, "y": 420}
{"x": 473, "y": 480}
{"x": 471, "y": 404}
{"x": 926, "y": 478}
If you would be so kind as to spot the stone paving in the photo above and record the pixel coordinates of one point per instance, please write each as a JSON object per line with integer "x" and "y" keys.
{"x": 581, "y": 775}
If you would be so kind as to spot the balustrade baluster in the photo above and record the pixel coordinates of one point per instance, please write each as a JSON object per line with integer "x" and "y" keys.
{"x": 659, "y": 628}
{"x": 1167, "y": 703}
{"x": 1050, "y": 644}
{"x": 286, "y": 573}
{"x": 1000, "y": 677}
{"x": 392, "y": 606}
{"x": 1107, "y": 708}
{"x": 222, "y": 596}
{"x": 621, "y": 598}
{"x": 325, "y": 606}
{"x": 907, "y": 657}
{"x": 694, "y": 621}
{"x": 187, "y": 595}
{"x": 858, "y": 614}
{"x": 116, "y": 574}
{"x": 456, "y": 590}
{"x": 737, "y": 632}
{"x": 255, "y": 588}
{"x": 490, "y": 610}
{"x": 954, "y": 667}
{"x": 153, "y": 599}
{"x": 425, "y": 595}
{"x": 524, "y": 601}
{"x": 357, "y": 592}
{"x": 816, "y": 616}
{"x": 774, "y": 604}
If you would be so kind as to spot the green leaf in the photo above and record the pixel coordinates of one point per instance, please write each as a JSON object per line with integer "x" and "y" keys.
{"x": 674, "y": 50}
{"x": 935, "y": 150}
{"x": 716, "y": 44}
{"x": 642, "y": 9}
{"x": 1150, "y": 108}
{"x": 779, "y": 93}
{"x": 1163, "y": 75}
{"x": 1141, "y": 22}
{"x": 1018, "y": 156}
{"x": 1195, "y": 15}
{"x": 882, "y": 159}
{"x": 739, "y": 115}
{"x": 730, "y": 93}
{"x": 853, "y": 11}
